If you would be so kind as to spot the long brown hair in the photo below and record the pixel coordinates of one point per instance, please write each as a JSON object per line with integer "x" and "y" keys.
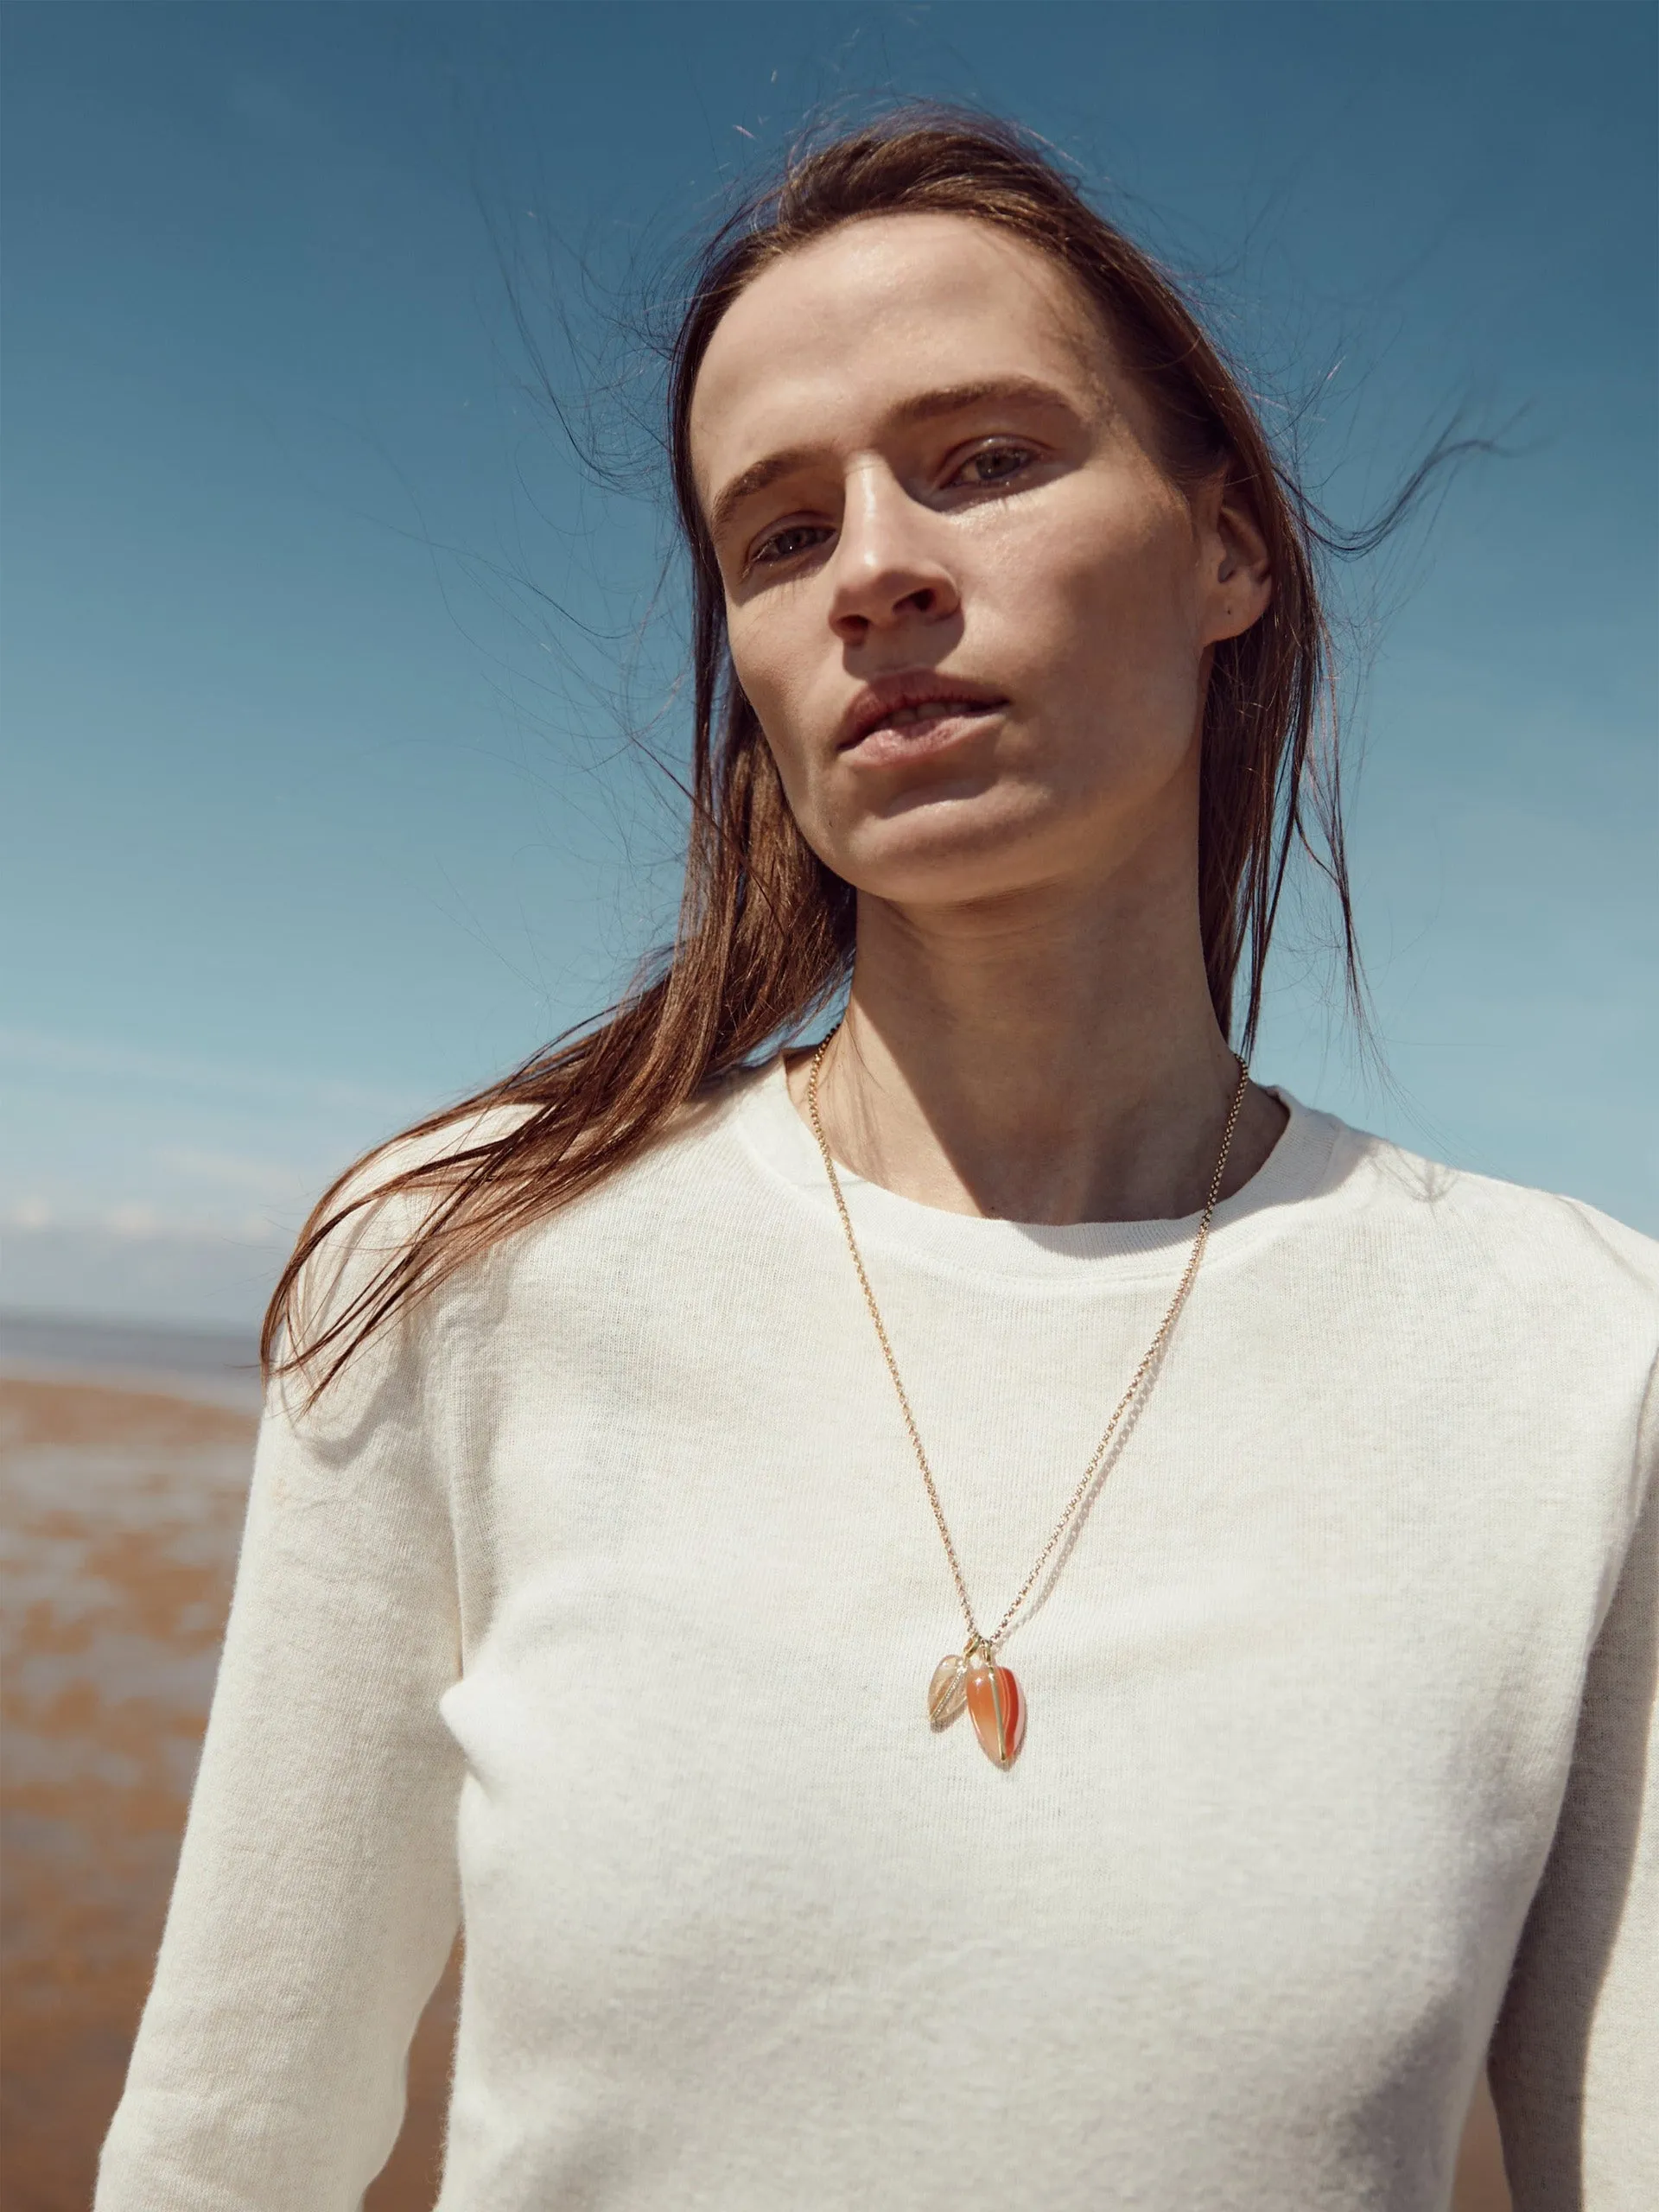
{"x": 765, "y": 931}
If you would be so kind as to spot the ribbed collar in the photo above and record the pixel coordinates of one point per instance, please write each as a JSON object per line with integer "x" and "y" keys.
{"x": 1090, "y": 1253}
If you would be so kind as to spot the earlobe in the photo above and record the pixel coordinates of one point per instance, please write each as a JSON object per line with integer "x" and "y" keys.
{"x": 1243, "y": 578}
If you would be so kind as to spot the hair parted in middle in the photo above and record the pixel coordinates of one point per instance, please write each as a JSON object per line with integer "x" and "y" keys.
{"x": 766, "y": 935}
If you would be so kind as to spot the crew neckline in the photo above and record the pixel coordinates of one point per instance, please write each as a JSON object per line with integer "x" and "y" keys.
{"x": 775, "y": 1132}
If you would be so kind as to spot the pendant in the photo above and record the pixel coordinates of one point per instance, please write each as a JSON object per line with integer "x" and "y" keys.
{"x": 993, "y": 1700}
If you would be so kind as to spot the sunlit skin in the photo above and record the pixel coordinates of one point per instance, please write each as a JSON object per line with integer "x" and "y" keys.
{"x": 924, "y": 469}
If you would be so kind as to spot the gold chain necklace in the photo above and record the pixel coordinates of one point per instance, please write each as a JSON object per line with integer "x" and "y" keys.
{"x": 973, "y": 1678}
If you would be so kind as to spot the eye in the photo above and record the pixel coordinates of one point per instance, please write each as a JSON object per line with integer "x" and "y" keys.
{"x": 994, "y": 464}
{"x": 787, "y": 544}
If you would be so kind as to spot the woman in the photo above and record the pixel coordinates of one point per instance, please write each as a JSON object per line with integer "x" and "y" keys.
{"x": 693, "y": 1455}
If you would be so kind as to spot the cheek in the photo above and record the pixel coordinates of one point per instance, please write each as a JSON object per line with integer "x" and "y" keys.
{"x": 1112, "y": 619}
{"x": 1130, "y": 578}
{"x": 758, "y": 661}
{"x": 775, "y": 669}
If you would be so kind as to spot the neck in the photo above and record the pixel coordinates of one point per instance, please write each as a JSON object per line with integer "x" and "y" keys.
{"x": 1052, "y": 1059}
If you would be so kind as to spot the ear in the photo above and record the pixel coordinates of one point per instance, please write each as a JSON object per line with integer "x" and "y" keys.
{"x": 1235, "y": 581}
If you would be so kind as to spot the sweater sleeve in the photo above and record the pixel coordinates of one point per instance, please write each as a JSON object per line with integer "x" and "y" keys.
{"x": 1575, "y": 2060}
{"x": 316, "y": 1898}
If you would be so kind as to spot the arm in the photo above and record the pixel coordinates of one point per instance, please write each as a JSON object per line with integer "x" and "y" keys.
{"x": 1575, "y": 2060}
{"x": 317, "y": 1898}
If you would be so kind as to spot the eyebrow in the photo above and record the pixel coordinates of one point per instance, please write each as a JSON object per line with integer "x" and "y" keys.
{"x": 921, "y": 407}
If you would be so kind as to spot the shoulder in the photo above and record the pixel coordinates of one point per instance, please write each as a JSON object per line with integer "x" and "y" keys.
{"x": 538, "y": 1282}
{"x": 688, "y": 1169}
{"x": 370, "y": 1216}
{"x": 1535, "y": 1307}
{"x": 1540, "y": 1246}
{"x": 431, "y": 1155}
{"x": 386, "y": 1196}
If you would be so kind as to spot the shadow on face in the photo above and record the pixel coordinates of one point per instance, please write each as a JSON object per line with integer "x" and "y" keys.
{"x": 969, "y": 605}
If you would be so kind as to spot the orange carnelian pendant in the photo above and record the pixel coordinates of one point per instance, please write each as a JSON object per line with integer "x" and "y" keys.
{"x": 993, "y": 1698}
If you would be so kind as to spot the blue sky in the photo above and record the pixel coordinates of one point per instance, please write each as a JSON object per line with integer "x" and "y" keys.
{"x": 320, "y": 808}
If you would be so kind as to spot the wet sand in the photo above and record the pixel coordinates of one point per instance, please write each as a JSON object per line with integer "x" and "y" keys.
{"x": 122, "y": 1508}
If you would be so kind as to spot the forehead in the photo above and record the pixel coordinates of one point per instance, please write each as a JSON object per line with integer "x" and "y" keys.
{"x": 836, "y": 333}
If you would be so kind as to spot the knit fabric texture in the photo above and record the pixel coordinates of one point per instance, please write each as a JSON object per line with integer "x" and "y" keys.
{"x": 594, "y": 1613}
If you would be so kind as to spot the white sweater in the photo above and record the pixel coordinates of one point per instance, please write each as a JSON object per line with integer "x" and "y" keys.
{"x": 597, "y": 1609}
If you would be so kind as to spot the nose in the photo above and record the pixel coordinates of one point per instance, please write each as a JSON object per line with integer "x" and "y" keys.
{"x": 886, "y": 567}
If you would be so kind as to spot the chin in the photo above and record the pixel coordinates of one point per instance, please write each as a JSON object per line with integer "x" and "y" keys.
{"x": 951, "y": 850}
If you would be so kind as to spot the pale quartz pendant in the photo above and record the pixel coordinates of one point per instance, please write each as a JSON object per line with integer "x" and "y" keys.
{"x": 948, "y": 1691}
{"x": 997, "y": 1708}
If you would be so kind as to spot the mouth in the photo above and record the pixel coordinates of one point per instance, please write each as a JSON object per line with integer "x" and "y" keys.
{"x": 898, "y": 717}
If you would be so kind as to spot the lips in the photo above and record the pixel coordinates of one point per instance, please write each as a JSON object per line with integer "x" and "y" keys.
{"x": 906, "y": 709}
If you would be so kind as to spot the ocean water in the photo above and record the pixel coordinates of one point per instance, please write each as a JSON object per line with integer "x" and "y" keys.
{"x": 207, "y": 1365}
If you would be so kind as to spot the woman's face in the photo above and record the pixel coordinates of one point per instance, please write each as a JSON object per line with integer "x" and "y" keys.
{"x": 969, "y": 606}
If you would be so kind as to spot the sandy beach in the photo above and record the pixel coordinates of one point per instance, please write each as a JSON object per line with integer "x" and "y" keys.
{"x": 122, "y": 1508}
